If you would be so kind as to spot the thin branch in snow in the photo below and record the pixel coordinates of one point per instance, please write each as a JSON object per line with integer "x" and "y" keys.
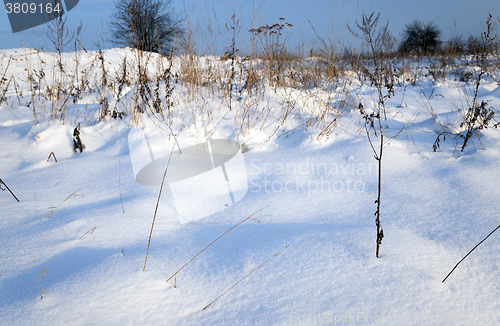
{"x": 43, "y": 279}
{"x": 49, "y": 214}
{"x": 3, "y": 183}
{"x": 88, "y": 232}
{"x": 246, "y": 277}
{"x": 52, "y": 155}
{"x": 498, "y": 227}
{"x": 175, "y": 274}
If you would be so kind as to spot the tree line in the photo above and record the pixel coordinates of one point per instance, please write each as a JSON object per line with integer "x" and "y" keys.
{"x": 152, "y": 25}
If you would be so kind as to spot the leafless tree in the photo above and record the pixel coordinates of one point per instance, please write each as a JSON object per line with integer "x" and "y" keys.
{"x": 148, "y": 25}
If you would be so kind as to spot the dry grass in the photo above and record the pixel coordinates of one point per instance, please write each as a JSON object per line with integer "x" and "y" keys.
{"x": 279, "y": 253}
{"x": 199, "y": 253}
{"x": 88, "y": 232}
{"x": 43, "y": 280}
{"x": 50, "y": 213}
{"x": 198, "y": 89}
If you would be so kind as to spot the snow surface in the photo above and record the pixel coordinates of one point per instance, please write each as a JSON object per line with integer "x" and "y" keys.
{"x": 435, "y": 207}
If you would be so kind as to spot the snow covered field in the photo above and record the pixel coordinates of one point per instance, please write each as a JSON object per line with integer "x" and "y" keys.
{"x": 320, "y": 194}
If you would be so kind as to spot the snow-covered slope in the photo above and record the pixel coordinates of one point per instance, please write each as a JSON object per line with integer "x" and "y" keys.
{"x": 320, "y": 195}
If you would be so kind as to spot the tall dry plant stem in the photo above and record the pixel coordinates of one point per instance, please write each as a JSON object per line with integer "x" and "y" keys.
{"x": 156, "y": 209}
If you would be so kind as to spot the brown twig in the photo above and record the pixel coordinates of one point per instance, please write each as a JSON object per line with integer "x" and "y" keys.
{"x": 52, "y": 154}
{"x": 6, "y": 187}
{"x": 380, "y": 231}
{"x": 49, "y": 214}
{"x": 498, "y": 227}
{"x": 43, "y": 279}
{"x": 245, "y": 277}
{"x": 91, "y": 231}
{"x": 214, "y": 242}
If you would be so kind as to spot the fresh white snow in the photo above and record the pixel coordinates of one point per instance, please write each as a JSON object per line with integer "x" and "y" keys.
{"x": 435, "y": 207}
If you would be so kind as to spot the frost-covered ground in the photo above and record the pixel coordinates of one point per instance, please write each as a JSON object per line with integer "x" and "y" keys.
{"x": 320, "y": 195}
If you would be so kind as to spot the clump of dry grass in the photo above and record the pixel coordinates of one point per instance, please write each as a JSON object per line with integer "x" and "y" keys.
{"x": 212, "y": 88}
{"x": 83, "y": 87}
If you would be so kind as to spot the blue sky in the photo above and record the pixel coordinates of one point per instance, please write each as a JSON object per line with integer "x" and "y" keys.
{"x": 329, "y": 18}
